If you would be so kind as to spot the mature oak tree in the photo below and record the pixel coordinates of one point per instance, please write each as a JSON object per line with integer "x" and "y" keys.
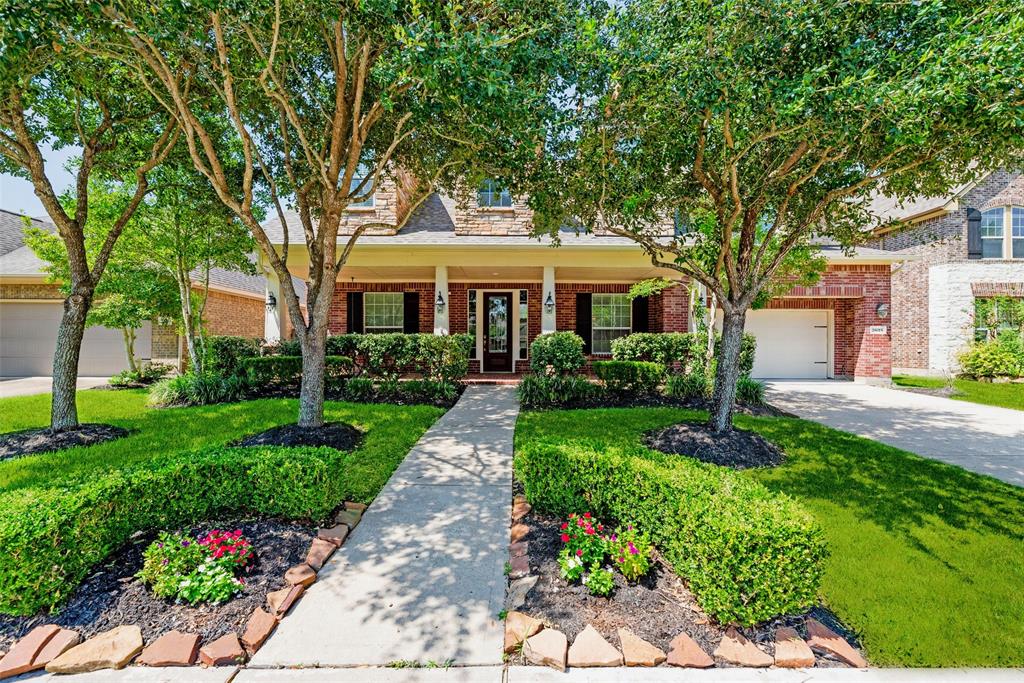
{"x": 764, "y": 125}
{"x": 327, "y": 99}
{"x": 52, "y": 93}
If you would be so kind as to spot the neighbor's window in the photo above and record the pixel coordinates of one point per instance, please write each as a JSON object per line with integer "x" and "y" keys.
{"x": 524, "y": 326}
{"x": 611, "y": 317}
{"x": 471, "y": 322}
{"x": 992, "y": 233}
{"x": 490, "y": 194}
{"x": 362, "y": 172}
{"x": 383, "y": 312}
{"x": 996, "y": 314}
{"x": 1017, "y": 232}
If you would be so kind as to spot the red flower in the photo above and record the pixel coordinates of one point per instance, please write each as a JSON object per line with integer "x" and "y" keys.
{"x": 587, "y": 515}
{"x": 565, "y": 525}
{"x": 565, "y": 538}
{"x": 579, "y": 553}
{"x": 590, "y": 531}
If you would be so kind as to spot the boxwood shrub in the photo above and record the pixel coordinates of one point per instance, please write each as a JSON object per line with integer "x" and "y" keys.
{"x": 560, "y": 351}
{"x": 748, "y": 554}
{"x": 287, "y": 370}
{"x": 224, "y": 354}
{"x": 629, "y": 376}
{"x": 52, "y": 538}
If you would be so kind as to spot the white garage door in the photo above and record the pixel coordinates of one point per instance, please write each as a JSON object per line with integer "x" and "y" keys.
{"x": 28, "y": 337}
{"x": 790, "y": 344}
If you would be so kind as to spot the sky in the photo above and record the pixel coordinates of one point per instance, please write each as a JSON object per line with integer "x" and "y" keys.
{"x": 16, "y": 194}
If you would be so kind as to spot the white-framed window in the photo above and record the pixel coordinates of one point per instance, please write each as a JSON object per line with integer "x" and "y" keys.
{"x": 611, "y": 318}
{"x": 362, "y": 172}
{"x": 992, "y": 227}
{"x": 1017, "y": 232}
{"x": 492, "y": 195}
{"x": 383, "y": 312}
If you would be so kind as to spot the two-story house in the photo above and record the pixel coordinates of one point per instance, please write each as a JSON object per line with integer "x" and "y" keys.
{"x": 962, "y": 247}
{"x": 472, "y": 266}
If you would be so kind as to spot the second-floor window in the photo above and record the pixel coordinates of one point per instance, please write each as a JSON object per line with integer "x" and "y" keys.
{"x": 357, "y": 180}
{"x": 492, "y": 195}
{"x": 1017, "y": 233}
{"x": 992, "y": 233}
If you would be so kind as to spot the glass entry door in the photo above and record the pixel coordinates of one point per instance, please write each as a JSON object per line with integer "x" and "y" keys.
{"x": 497, "y": 333}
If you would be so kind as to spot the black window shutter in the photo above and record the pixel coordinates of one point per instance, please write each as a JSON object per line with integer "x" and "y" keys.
{"x": 641, "y": 315}
{"x": 411, "y": 313}
{"x": 355, "y": 312}
{"x": 973, "y": 234}
{"x": 584, "y": 315}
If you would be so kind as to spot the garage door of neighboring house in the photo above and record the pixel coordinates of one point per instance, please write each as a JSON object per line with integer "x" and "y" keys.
{"x": 28, "y": 337}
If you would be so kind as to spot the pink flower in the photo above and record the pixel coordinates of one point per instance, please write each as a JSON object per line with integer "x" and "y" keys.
{"x": 565, "y": 525}
{"x": 565, "y": 538}
{"x": 632, "y": 549}
{"x": 590, "y": 531}
{"x": 579, "y": 553}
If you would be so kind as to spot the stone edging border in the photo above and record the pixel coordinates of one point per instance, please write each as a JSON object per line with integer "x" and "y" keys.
{"x": 62, "y": 651}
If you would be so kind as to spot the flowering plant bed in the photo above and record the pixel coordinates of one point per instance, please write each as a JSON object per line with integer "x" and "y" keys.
{"x": 202, "y": 569}
{"x": 115, "y": 595}
{"x": 654, "y": 604}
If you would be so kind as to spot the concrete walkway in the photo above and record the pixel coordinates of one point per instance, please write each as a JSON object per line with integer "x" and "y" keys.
{"x": 26, "y": 386}
{"x": 983, "y": 439}
{"x": 422, "y": 577}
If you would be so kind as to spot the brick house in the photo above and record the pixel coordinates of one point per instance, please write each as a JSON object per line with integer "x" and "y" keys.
{"x": 470, "y": 265}
{"x": 30, "y": 311}
{"x": 961, "y": 247}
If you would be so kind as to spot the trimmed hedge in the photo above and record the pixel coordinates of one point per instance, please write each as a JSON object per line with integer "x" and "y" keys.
{"x": 682, "y": 351}
{"x": 553, "y": 391}
{"x": 444, "y": 358}
{"x": 53, "y": 538}
{"x": 560, "y": 351}
{"x": 747, "y": 554}
{"x": 287, "y": 370}
{"x": 225, "y": 354}
{"x": 626, "y": 376}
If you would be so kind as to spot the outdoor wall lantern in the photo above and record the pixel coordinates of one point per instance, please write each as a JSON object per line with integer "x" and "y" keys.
{"x": 549, "y": 303}
{"x": 271, "y": 301}
{"x": 439, "y": 303}
{"x": 882, "y": 311}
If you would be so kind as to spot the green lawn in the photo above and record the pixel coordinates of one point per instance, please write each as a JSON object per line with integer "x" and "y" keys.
{"x": 987, "y": 393}
{"x": 390, "y": 432}
{"x": 927, "y": 560}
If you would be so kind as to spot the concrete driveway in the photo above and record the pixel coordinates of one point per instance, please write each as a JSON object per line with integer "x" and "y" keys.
{"x": 979, "y": 438}
{"x": 26, "y": 386}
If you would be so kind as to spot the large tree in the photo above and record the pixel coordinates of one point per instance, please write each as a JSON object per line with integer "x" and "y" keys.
{"x": 54, "y": 94}
{"x": 327, "y": 99}
{"x": 761, "y": 126}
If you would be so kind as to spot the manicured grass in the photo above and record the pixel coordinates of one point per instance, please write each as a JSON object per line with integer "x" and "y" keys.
{"x": 927, "y": 559}
{"x": 1006, "y": 395}
{"x": 390, "y": 432}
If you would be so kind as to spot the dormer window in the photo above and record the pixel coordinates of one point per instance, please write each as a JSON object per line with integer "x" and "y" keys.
{"x": 491, "y": 195}
{"x": 361, "y": 173}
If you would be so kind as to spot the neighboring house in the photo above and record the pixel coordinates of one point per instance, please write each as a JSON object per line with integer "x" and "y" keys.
{"x": 471, "y": 266}
{"x": 963, "y": 246}
{"x": 30, "y": 312}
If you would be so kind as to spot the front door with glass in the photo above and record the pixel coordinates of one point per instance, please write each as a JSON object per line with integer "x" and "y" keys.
{"x": 497, "y": 333}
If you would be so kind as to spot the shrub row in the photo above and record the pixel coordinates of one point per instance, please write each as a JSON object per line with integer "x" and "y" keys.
{"x": 198, "y": 389}
{"x": 367, "y": 390}
{"x": 52, "y": 538}
{"x": 265, "y": 371}
{"x": 747, "y": 554}
{"x": 224, "y": 355}
{"x": 684, "y": 352}
{"x": 629, "y": 377}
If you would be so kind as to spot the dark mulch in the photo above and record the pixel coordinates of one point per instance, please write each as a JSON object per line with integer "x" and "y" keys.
{"x": 31, "y": 441}
{"x": 657, "y": 608}
{"x": 112, "y": 596}
{"x": 737, "y": 448}
{"x": 339, "y": 435}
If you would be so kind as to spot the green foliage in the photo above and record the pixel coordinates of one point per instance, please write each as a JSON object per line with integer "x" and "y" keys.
{"x": 195, "y": 570}
{"x": 285, "y": 371}
{"x": 551, "y": 391}
{"x": 682, "y": 350}
{"x": 599, "y": 581}
{"x": 55, "y": 537}
{"x": 367, "y": 390}
{"x": 637, "y": 378}
{"x": 1001, "y": 357}
{"x": 560, "y": 353}
{"x": 649, "y": 287}
{"x": 747, "y": 554}
{"x": 197, "y": 389}
{"x": 224, "y": 354}
{"x": 748, "y": 349}
{"x": 994, "y": 315}
{"x": 750, "y": 391}
{"x": 691, "y": 386}
{"x": 167, "y": 560}
{"x": 1004, "y": 394}
{"x": 388, "y": 355}
{"x": 631, "y": 552}
{"x": 146, "y": 374}
{"x": 359, "y": 390}
{"x": 444, "y": 358}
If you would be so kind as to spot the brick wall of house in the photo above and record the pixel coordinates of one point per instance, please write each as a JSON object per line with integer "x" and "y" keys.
{"x": 164, "y": 344}
{"x": 338, "y": 318}
{"x": 233, "y": 315}
{"x": 931, "y": 242}
{"x": 30, "y": 291}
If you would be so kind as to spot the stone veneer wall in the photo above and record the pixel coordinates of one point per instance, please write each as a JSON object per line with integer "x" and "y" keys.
{"x": 934, "y": 241}
{"x": 391, "y": 204}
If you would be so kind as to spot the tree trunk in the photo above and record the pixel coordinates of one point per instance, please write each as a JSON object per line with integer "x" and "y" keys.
{"x": 311, "y": 395}
{"x": 727, "y": 370}
{"x": 195, "y": 358}
{"x": 63, "y": 409}
{"x": 129, "y": 348}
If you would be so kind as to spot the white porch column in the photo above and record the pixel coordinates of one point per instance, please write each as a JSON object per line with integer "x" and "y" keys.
{"x": 272, "y": 318}
{"x": 441, "y": 288}
{"x": 548, "y": 318}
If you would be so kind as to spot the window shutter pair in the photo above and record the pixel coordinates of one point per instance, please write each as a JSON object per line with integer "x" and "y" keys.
{"x": 584, "y": 317}
{"x": 410, "y": 312}
{"x": 973, "y": 234}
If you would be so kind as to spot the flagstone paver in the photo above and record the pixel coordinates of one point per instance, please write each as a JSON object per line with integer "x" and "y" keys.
{"x": 421, "y": 578}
